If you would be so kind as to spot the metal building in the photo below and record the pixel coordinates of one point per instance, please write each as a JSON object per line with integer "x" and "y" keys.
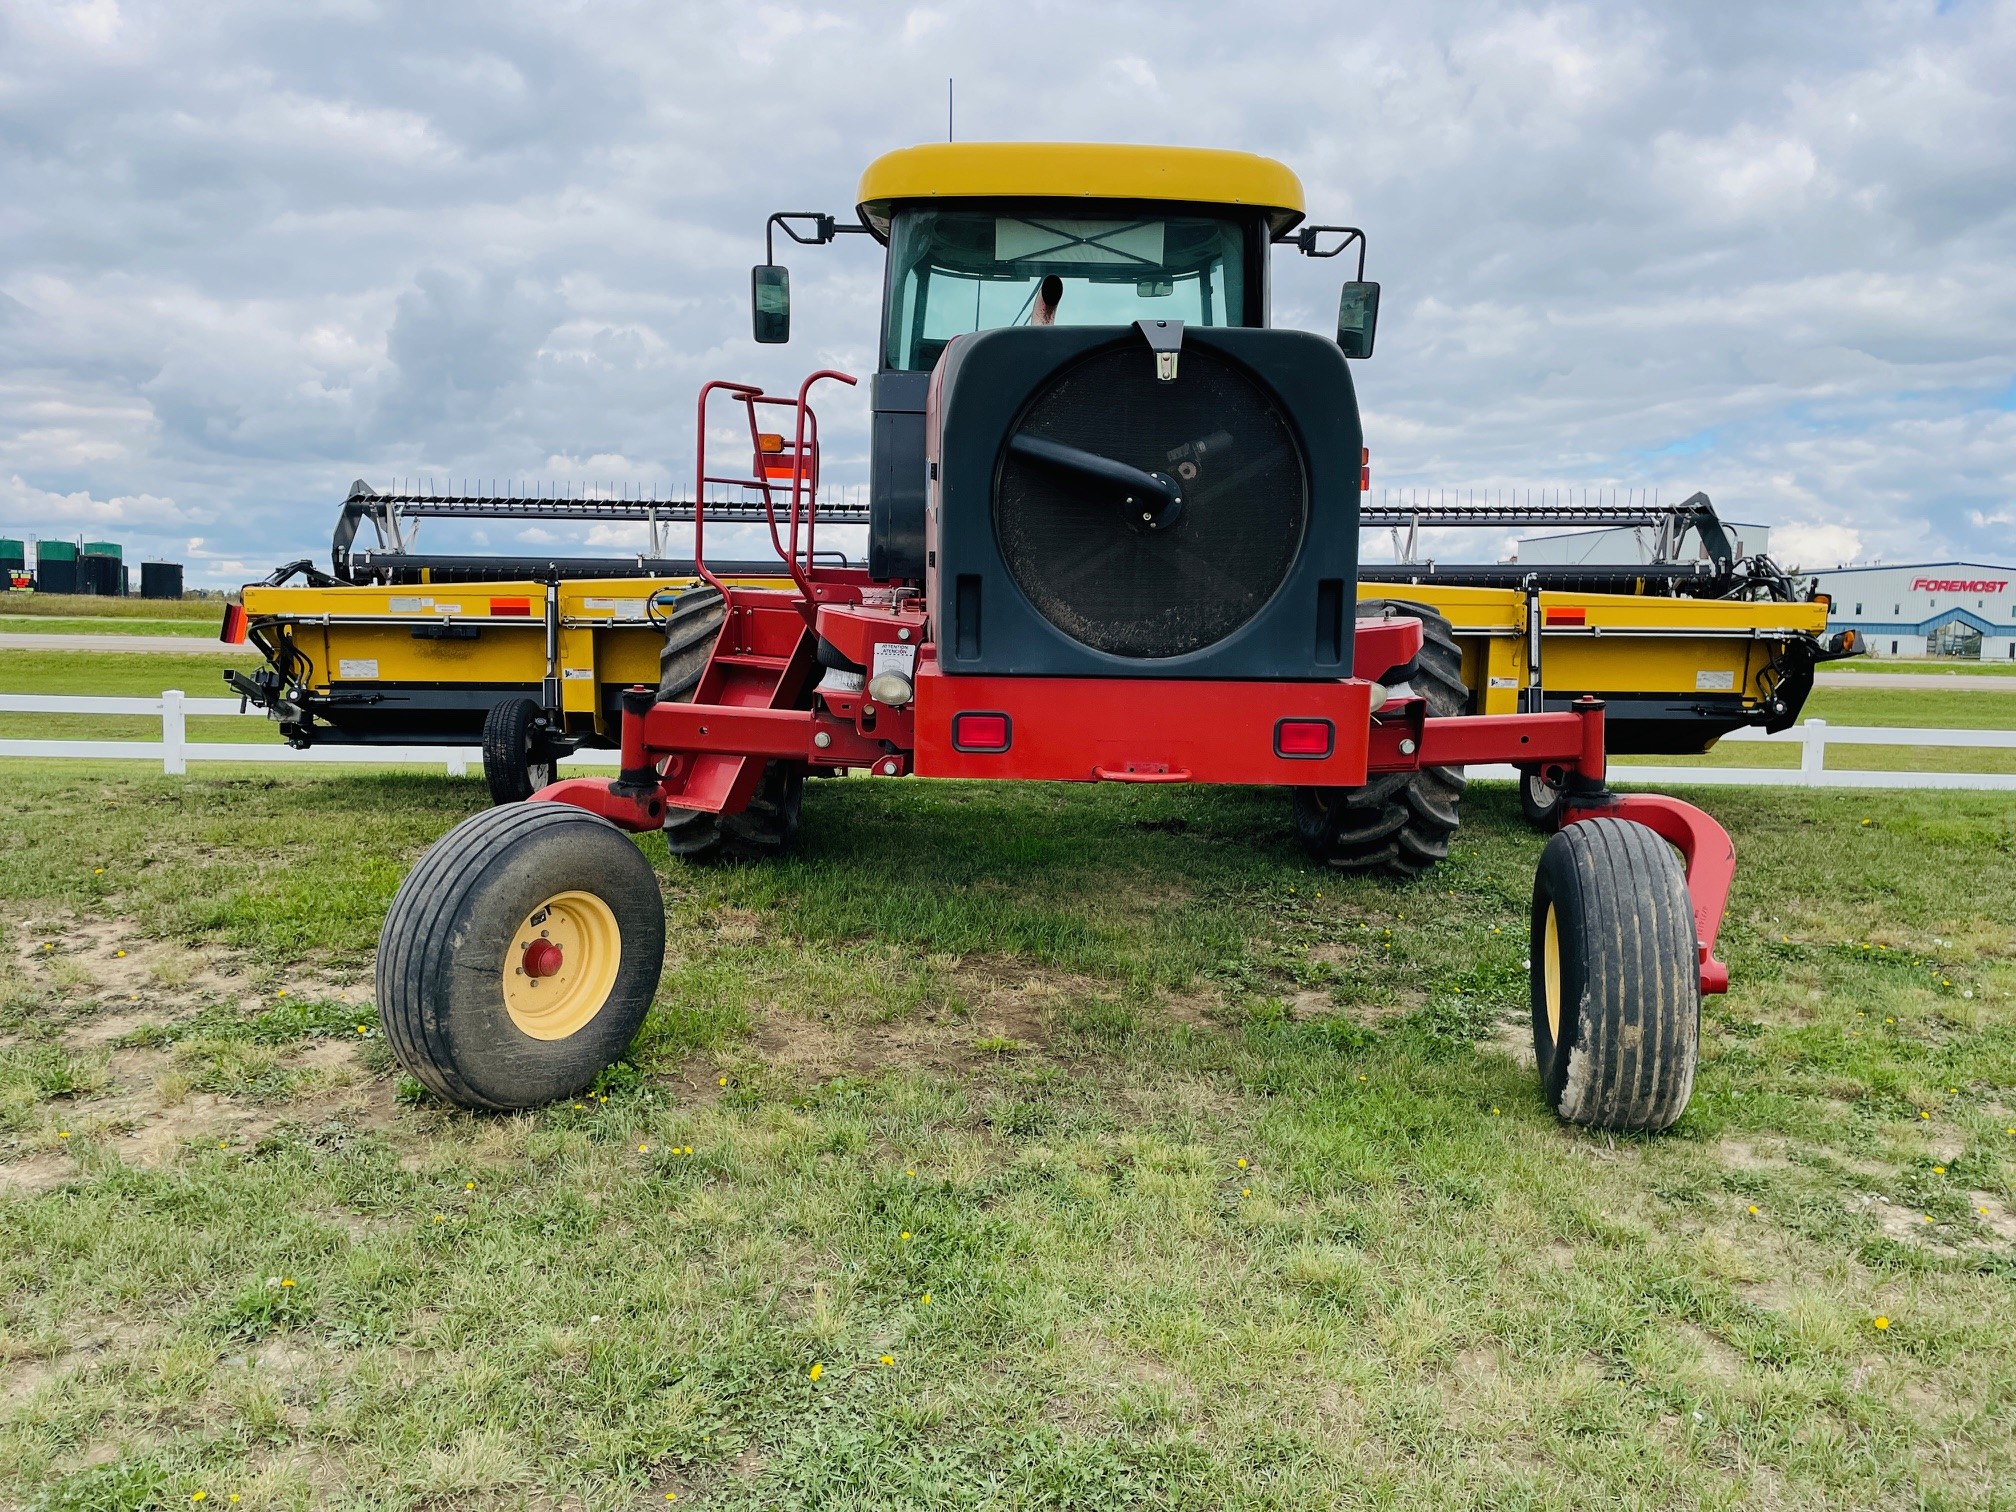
{"x": 1958, "y": 609}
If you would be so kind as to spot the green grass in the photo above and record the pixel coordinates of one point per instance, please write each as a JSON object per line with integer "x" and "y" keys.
{"x": 1928, "y": 666}
{"x": 89, "y": 606}
{"x": 1219, "y": 1171}
{"x": 122, "y": 625}
{"x": 113, "y": 674}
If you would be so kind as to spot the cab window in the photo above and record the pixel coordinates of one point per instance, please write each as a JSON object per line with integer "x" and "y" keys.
{"x": 958, "y": 270}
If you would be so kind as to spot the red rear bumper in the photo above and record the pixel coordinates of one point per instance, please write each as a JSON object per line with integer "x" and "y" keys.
{"x": 1084, "y": 729}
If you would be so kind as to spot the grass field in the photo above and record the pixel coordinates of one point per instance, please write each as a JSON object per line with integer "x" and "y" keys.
{"x": 87, "y": 606}
{"x": 181, "y": 629}
{"x": 1006, "y": 1147}
{"x": 1931, "y": 666}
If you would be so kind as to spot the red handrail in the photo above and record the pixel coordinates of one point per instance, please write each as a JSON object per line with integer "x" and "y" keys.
{"x": 803, "y": 497}
{"x": 746, "y": 392}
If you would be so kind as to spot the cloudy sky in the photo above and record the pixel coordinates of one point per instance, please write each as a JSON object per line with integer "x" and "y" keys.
{"x": 249, "y": 251}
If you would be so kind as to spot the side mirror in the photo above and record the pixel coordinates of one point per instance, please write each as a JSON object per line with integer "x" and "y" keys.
{"x": 1357, "y": 318}
{"x": 770, "y": 301}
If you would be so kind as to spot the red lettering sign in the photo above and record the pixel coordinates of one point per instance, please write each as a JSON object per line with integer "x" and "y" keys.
{"x": 1958, "y": 585}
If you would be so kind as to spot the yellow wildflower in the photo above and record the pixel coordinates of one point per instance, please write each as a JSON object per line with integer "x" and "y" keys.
{"x": 1881, "y": 1323}
{"x": 816, "y": 1371}
{"x": 888, "y": 1359}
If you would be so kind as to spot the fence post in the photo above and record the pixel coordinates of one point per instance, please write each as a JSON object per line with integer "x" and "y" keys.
{"x": 1812, "y": 748}
{"x": 174, "y": 735}
{"x": 458, "y": 764}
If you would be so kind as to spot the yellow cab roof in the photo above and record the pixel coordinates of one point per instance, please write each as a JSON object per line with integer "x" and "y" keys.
{"x": 1077, "y": 170}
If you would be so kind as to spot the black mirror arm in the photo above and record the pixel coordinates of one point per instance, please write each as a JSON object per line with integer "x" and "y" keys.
{"x": 824, "y": 228}
{"x": 1307, "y": 242}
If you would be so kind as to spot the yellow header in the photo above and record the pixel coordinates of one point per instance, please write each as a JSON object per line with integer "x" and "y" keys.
{"x": 1074, "y": 170}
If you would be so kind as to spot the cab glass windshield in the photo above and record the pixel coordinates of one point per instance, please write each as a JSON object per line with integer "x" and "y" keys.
{"x": 955, "y": 271}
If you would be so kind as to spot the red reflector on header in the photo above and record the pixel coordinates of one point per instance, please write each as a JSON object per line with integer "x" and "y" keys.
{"x": 504, "y": 606}
{"x": 1304, "y": 737}
{"x": 1566, "y": 617}
{"x": 980, "y": 732}
{"x": 232, "y": 633}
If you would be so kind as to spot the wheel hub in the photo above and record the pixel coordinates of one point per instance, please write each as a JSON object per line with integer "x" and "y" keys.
{"x": 560, "y": 965}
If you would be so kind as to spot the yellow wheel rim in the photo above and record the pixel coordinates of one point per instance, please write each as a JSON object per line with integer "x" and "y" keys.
{"x": 560, "y": 965}
{"x": 1550, "y": 971}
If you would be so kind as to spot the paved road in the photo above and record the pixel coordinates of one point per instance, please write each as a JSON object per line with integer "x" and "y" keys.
{"x": 174, "y": 645}
{"x": 1920, "y": 682}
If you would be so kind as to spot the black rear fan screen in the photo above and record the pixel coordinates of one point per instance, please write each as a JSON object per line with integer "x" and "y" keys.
{"x": 1092, "y": 566}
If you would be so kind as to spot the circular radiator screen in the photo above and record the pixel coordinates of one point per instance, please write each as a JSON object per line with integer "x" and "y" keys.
{"x": 1090, "y": 564}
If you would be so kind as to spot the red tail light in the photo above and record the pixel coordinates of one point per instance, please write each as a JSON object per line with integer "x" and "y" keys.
{"x": 1304, "y": 738}
{"x": 232, "y": 632}
{"x": 981, "y": 732}
{"x": 1364, "y": 469}
{"x": 508, "y": 606}
{"x": 1566, "y": 617}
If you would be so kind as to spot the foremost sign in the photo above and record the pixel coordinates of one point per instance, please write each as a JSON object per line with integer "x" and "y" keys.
{"x": 1958, "y": 585}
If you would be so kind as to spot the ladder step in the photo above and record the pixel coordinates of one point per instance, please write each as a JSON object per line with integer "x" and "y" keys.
{"x": 751, "y": 659}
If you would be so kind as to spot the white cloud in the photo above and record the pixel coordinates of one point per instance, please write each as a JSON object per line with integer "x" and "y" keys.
{"x": 248, "y": 254}
{"x": 1806, "y": 546}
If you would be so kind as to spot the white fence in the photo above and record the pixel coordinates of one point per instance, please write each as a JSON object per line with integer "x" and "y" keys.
{"x": 174, "y": 750}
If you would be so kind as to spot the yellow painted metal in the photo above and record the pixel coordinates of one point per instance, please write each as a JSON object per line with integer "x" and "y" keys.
{"x": 359, "y": 638}
{"x": 355, "y": 639}
{"x": 1550, "y": 972}
{"x": 590, "y": 941}
{"x": 1625, "y": 643}
{"x": 1078, "y": 170}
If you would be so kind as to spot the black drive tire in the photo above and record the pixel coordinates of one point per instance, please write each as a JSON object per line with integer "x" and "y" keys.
{"x": 770, "y": 824}
{"x": 692, "y": 625}
{"x": 1399, "y": 824}
{"x": 1619, "y": 1048}
{"x": 448, "y": 936}
{"x": 768, "y": 827}
{"x": 516, "y": 759}
{"x": 1541, "y": 801}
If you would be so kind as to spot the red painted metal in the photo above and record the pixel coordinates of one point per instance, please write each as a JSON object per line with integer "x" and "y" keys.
{"x": 1086, "y": 729}
{"x": 1704, "y": 845}
{"x": 232, "y": 631}
{"x": 1380, "y": 645}
{"x": 626, "y": 808}
{"x": 542, "y": 958}
{"x": 856, "y": 629}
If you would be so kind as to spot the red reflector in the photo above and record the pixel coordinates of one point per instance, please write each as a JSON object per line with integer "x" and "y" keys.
{"x": 980, "y": 732}
{"x": 1567, "y": 617}
{"x": 499, "y": 606}
{"x": 1304, "y": 737}
{"x": 232, "y": 633}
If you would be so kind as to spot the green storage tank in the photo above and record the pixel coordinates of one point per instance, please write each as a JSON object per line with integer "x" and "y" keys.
{"x": 54, "y": 551}
{"x": 110, "y": 549}
{"x": 13, "y": 555}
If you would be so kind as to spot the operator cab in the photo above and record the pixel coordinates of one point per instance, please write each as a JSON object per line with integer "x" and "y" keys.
{"x": 985, "y": 235}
